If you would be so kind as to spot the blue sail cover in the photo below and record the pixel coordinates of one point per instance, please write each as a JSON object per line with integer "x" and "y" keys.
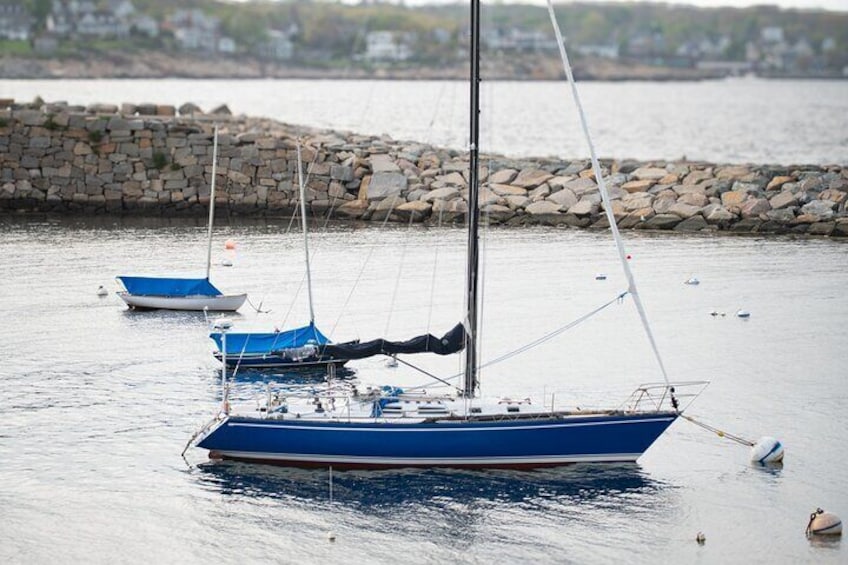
{"x": 163, "y": 286}
{"x": 269, "y": 342}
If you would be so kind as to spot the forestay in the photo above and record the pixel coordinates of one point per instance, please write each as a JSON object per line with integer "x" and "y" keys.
{"x": 165, "y": 286}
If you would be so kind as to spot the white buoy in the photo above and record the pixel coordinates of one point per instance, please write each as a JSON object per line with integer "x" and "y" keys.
{"x": 692, "y": 281}
{"x": 701, "y": 538}
{"x": 226, "y": 263}
{"x": 824, "y": 524}
{"x": 601, "y": 277}
{"x": 391, "y": 362}
{"x": 101, "y": 291}
{"x": 222, "y": 324}
{"x": 767, "y": 450}
{"x": 743, "y": 314}
{"x": 331, "y": 537}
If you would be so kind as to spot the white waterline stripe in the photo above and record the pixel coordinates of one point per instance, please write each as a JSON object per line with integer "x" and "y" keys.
{"x": 582, "y": 458}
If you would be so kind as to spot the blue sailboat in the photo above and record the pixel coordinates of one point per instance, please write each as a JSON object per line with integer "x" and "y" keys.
{"x": 170, "y": 293}
{"x": 299, "y": 348}
{"x": 387, "y": 427}
{"x": 296, "y": 349}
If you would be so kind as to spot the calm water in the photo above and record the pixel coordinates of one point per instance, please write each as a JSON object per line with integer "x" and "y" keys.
{"x": 98, "y": 402}
{"x": 727, "y": 121}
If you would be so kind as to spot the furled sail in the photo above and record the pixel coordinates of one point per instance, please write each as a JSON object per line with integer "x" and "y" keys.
{"x": 165, "y": 286}
{"x": 451, "y": 342}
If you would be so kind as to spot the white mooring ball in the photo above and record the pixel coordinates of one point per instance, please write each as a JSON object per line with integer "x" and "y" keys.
{"x": 824, "y": 524}
{"x": 767, "y": 450}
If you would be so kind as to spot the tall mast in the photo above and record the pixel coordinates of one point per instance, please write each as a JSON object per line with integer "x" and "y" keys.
{"x": 305, "y": 238}
{"x": 212, "y": 203}
{"x": 470, "y": 382}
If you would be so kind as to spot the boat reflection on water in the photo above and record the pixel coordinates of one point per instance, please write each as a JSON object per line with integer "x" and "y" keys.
{"x": 292, "y": 377}
{"x": 614, "y": 485}
{"x": 173, "y": 317}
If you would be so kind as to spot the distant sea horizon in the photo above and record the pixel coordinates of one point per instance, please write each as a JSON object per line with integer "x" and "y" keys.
{"x": 740, "y": 120}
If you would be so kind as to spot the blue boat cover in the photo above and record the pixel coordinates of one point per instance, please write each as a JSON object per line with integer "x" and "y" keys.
{"x": 269, "y": 342}
{"x": 162, "y": 286}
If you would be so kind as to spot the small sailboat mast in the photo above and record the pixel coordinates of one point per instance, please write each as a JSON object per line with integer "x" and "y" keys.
{"x": 212, "y": 202}
{"x": 176, "y": 293}
{"x": 472, "y": 268}
{"x": 305, "y": 234}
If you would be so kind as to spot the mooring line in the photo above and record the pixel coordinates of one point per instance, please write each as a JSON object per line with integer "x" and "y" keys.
{"x": 718, "y": 432}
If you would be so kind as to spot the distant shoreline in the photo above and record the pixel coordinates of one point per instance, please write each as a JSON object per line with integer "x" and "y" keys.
{"x": 163, "y": 68}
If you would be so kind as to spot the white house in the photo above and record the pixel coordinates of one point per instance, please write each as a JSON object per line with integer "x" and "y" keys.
{"x": 226, "y": 45}
{"x": 194, "y": 30}
{"x": 15, "y": 22}
{"x": 146, "y": 25}
{"x": 122, "y": 9}
{"x": 772, "y": 34}
{"x": 279, "y": 45}
{"x": 388, "y": 46}
{"x": 519, "y": 39}
{"x": 609, "y": 51}
{"x": 102, "y": 23}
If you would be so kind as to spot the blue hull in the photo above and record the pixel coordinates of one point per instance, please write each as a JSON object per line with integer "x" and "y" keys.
{"x": 524, "y": 443}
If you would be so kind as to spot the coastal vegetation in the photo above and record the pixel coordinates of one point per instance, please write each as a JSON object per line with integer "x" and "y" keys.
{"x": 291, "y": 38}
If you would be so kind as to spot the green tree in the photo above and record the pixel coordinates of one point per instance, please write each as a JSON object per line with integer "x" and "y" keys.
{"x": 39, "y": 9}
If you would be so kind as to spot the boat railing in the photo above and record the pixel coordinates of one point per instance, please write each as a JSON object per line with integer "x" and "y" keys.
{"x": 659, "y": 397}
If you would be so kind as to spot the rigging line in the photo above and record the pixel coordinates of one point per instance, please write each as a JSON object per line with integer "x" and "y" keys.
{"x": 433, "y": 278}
{"x": 224, "y": 355}
{"x": 599, "y": 178}
{"x": 431, "y": 375}
{"x": 718, "y": 432}
{"x": 330, "y": 212}
{"x": 428, "y": 138}
{"x": 385, "y": 221}
{"x": 299, "y": 207}
{"x": 258, "y": 309}
{"x": 484, "y": 241}
{"x": 361, "y": 270}
{"x": 403, "y": 249}
{"x": 295, "y": 213}
{"x": 240, "y": 357}
{"x": 394, "y": 203}
{"x": 292, "y": 303}
{"x": 554, "y": 333}
{"x": 437, "y": 107}
{"x": 540, "y": 340}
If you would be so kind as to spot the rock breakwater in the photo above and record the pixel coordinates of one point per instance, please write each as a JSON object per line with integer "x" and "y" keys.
{"x": 157, "y": 160}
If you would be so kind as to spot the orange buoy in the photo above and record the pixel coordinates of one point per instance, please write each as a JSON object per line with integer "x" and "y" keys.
{"x": 229, "y": 244}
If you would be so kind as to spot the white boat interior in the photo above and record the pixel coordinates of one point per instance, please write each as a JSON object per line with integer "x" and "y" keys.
{"x": 348, "y": 403}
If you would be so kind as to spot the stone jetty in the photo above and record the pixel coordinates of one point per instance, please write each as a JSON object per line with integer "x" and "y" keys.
{"x": 150, "y": 159}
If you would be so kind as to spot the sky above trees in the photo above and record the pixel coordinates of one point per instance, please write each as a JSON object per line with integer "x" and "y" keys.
{"x": 835, "y": 5}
